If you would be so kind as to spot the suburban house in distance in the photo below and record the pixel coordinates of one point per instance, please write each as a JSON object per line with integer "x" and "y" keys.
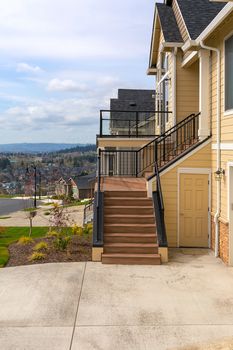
{"x": 67, "y": 188}
{"x": 165, "y": 179}
{"x": 81, "y": 188}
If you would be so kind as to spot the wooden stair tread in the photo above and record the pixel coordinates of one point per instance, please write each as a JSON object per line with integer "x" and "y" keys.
{"x": 138, "y": 225}
{"x": 151, "y": 245}
{"x": 127, "y": 207}
{"x": 128, "y": 215}
{"x": 128, "y": 234}
{"x": 124, "y": 255}
{"x": 131, "y": 198}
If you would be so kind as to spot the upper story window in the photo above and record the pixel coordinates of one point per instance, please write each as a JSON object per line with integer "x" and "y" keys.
{"x": 229, "y": 73}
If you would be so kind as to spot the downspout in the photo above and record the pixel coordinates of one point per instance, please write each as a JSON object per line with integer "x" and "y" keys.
{"x": 174, "y": 54}
{"x": 218, "y": 196}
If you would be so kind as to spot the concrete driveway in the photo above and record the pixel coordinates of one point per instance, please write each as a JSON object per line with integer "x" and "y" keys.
{"x": 187, "y": 304}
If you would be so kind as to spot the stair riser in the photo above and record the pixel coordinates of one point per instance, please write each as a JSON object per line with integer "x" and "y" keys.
{"x": 131, "y": 261}
{"x": 131, "y": 250}
{"x": 132, "y": 194}
{"x": 126, "y": 239}
{"x": 129, "y": 220}
{"x": 130, "y": 229}
{"x": 127, "y": 202}
{"x": 129, "y": 211}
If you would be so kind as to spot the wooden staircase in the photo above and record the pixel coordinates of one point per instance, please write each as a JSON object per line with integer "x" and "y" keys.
{"x": 129, "y": 227}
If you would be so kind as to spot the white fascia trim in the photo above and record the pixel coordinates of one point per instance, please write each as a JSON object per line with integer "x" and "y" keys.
{"x": 223, "y": 146}
{"x": 185, "y": 157}
{"x": 216, "y": 21}
{"x": 221, "y": 0}
{"x": 210, "y": 28}
{"x": 188, "y": 44}
{"x": 189, "y": 58}
{"x": 151, "y": 71}
{"x": 171, "y": 44}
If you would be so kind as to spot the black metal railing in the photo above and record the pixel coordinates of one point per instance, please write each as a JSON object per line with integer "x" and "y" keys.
{"x": 159, "y": 211}
{"x": 130, "y": 123}
{"x": 162, "y": 150}
{"x": 98, "y": 227}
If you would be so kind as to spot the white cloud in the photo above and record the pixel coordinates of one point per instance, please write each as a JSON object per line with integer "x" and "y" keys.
{"x": 27, "y": 68}
{"x": 65, "y": 85}
{"x": 77, "y": 29}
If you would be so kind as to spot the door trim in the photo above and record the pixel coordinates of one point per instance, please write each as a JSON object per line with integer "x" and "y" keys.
{"x": 202, "y": 171}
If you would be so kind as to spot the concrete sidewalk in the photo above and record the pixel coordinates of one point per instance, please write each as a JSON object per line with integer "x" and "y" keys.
{"x": 186, "y": 304}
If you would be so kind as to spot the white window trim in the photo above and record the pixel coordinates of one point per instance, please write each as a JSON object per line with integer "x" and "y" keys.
{"x": 227, "y": 112}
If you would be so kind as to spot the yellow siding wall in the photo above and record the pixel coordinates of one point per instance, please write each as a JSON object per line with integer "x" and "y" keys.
{"x": 169, "y": 181}
{"x": 217, "y": 40}
{"x": 187, "y": 89}
{"x": 180, "y": 21}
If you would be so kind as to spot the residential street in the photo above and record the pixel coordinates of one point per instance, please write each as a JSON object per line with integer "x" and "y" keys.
{"x": 186, "y": 304}
{"x": 8, "y": 206}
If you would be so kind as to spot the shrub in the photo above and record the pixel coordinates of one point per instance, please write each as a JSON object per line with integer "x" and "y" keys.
{"x": 25, "y": 240}
{"x": 47, "y": 213}
{"x": 61, "y": 242}
{"x": 76, "y": 230}
{"x": 41, "y": 246}
{"x": 37, "y": 256}
{"x": 52, "y": 233}
{"x": 87, "y": 229}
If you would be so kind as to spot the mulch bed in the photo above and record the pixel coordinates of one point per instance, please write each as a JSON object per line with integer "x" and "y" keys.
{"x": 79, "y": 249}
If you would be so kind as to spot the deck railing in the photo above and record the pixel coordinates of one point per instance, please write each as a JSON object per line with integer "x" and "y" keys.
{"x": 120, "y": 123}
{"x": 161, "y": 150}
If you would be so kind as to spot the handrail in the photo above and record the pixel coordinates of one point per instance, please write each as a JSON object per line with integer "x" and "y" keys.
{"x": 168, "y": 131}
{"x": 178, "y": 126}
{"x": 159, "y": 211}
{"x": 159, "y": 187}
{"x": 98, "y": 208}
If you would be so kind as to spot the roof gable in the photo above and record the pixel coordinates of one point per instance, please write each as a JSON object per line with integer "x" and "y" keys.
{"x": 168, "y": 23}
{"x": 198, "y": 15}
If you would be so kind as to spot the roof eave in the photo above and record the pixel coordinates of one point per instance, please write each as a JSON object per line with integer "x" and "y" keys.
{"x": 151, "y": 71}
{"x": 193, "y": 45}
{"x": 168, "y": 46}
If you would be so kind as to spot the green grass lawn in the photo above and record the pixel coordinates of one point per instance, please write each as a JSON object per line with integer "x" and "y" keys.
{"x": 12, "y": 234}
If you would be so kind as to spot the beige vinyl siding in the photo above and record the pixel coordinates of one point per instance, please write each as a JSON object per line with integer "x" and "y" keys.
{"x": 187, "y": 89}
{"x": 217, "y": 40}
{"x": 169, "y": 124}
{"x": 161, "y": 40}
{"x": 180, "y": 21}
{"x": 226, "y": 156}
{"x": 169, "y": 181}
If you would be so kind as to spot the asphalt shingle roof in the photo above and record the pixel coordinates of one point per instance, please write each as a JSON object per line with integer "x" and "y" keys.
{"x": 168, "y": 23}
{"x": 198, "y": 14}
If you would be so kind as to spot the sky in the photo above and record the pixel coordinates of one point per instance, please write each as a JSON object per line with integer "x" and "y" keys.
{"x": 62, "y": 60}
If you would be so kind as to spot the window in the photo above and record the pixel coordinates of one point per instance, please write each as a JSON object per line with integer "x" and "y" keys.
{"x": 229, "y": 73}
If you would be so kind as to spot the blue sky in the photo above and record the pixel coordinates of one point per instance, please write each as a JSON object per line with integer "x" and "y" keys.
{"x": 62, "y": 60}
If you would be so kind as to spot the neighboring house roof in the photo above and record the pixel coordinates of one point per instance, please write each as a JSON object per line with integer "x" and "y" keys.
{"x": 198, "y": 14}
{"x": 133, "y": 99}
{"x": 168, "y": 23}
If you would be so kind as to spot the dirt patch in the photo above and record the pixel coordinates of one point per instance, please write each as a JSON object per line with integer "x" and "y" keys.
{"x": 79, "y": 249}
